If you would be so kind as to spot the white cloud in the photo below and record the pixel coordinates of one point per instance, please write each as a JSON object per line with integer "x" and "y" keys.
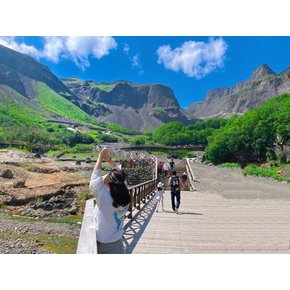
{"x": 136, "y": 61}
{"x": 195, "y": 59}
{"x": 137, "y": 64}
{"x": 10, "y": 42}
{"x": 126, "y": 48}
{"x": 75, "y": 48}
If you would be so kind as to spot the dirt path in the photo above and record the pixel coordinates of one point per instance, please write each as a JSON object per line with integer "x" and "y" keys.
{"x": 231, "y": 183}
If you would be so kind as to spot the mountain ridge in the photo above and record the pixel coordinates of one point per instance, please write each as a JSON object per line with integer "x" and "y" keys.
{"x": 135, "y": 106}
{"x": 263, "y": 85}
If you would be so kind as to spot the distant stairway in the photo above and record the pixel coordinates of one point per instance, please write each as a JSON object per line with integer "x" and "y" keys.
{"x": 180, "y": 168}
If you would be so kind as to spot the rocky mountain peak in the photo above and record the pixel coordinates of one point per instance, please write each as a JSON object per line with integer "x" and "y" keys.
{"x": 262, "y": 70}
{"x": 243, "y": 96}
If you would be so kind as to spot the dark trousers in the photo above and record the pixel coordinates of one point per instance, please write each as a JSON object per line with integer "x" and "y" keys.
{"x": 175, "y": 195}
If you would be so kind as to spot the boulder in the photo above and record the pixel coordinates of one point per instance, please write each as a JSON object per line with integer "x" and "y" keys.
{"x": 58, "y": 206}
{"x": 19, "y": 183}
{"x": 7, "y": 173}
{"x": 48, "y": 206}
{"x": 73, "y": 210}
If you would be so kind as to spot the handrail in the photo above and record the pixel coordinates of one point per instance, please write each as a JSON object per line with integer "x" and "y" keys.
{"x": 139, "y": 193}
{"x": 87, "y": 243}
{"x": 191, "y": 175}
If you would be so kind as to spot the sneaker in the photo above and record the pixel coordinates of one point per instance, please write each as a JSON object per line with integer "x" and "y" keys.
{"x": 176, "y": 210}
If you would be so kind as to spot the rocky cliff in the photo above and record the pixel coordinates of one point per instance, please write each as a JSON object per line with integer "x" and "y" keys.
{"x": 263, "y": 85}
{"x": 17, "y": 71}
{"x": 135, "y": 106}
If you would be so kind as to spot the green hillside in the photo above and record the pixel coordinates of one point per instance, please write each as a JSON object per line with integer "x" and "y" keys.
{"x": 53, "y": 102}
{"x": 15, "y": 114}
{"x": 253, "y": 136}
{"x": 20, "y": 123}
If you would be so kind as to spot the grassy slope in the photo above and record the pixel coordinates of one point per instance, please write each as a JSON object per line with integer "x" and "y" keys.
{"x": 105, "y": 87}
{"x": 57, "y": 104}
{"x": 16, "y": 114}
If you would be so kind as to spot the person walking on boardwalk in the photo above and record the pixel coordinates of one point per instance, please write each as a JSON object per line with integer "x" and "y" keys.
{"x": 165, "y": 168}
{"x": 159, "y": 168}
{"x": 160, "y": 195}
{"x": 112, "y": 201}
{"x": 184, "y": 179}
{"x": 174, "y": 184}
{"x": 171, "y": 163}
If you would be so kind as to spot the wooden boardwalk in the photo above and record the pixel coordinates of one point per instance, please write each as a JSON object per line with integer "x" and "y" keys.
{"x": 210, "y": 223}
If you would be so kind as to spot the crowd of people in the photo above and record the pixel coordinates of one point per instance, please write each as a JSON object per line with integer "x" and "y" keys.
{"x": 165, "y": 167}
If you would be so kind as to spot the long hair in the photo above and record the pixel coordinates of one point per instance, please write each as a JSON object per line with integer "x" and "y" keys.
{"x": 118, "y": 188}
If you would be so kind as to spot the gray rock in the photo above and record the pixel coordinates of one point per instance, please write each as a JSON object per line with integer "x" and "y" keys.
{"x": 59, "y": 198}
{"x": 58, "y": 206}
{"x": 7, "y": 173}
{"x": 48, "y": 206}
{"x": 19, "y": 183}
{"x": 73, "y": 210}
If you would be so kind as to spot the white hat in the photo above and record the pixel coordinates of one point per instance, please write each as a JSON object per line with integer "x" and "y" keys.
{"x": 160, "y": 184}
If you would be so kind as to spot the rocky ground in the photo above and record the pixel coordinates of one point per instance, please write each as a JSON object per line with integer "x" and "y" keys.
{"x": 43, "y": 188}
{"x": 39, "y": 186}
{"x": 36, "y": 237}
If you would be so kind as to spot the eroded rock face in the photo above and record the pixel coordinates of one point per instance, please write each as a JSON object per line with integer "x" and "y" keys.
{"x": 243, "y": 96}
{"x": 135, "y": 106}
{"x": 47, "y": 191}
{"x": 17, "y": 70}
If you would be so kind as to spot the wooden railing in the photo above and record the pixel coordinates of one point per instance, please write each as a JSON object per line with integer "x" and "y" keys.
{"x": 171, "y": 148}
{"x": 140, "y": 193}
{"x": 190, "y": 174}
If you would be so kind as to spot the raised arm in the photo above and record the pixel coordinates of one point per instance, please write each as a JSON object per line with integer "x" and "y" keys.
{"x": 104, "y": 156}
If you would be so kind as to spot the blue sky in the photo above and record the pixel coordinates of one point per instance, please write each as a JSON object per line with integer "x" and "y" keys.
{"x": 189, "y": 65}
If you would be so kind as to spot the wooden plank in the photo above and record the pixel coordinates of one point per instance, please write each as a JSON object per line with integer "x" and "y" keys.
{"x": 210, "y": 223}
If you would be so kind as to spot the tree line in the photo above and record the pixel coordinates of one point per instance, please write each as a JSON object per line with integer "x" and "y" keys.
{"x": 255, "y": 136}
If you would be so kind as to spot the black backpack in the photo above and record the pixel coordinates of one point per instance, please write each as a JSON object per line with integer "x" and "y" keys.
{"x": 174, "y": 183}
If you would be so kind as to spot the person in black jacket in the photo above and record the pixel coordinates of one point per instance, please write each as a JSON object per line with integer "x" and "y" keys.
{"x": 174, "y": 183}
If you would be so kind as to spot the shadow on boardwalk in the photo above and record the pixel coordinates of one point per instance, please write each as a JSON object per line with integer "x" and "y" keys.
{"x": 135, "y": 227}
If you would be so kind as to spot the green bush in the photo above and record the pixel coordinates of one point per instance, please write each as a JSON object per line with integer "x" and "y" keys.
{"x": 251, "y": 137}
{"x": 108, "y": 138}
{"x": 259, "y": 171}
{"x": 229, "y": 165}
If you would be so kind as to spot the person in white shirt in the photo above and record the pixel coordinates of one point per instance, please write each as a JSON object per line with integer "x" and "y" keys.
{"x": 112, "y": 201}
{"x": 160, "y": 195}
{"x": 165, "y": 168}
